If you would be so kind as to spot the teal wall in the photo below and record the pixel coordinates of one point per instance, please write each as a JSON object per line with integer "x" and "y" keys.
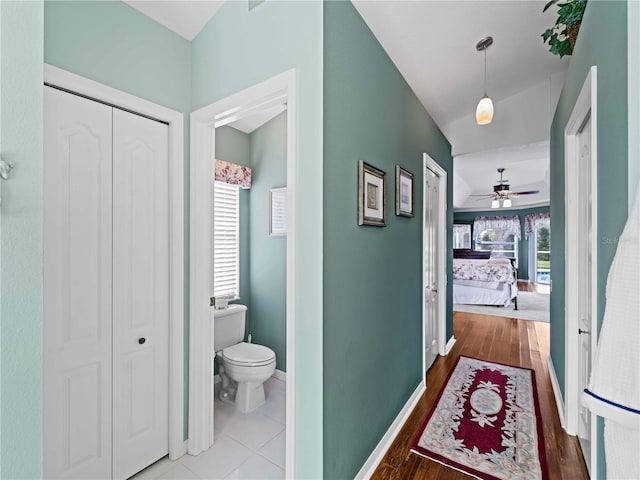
{"x": 237, "y": 49}
{"x": 268, "y": 265}
{"x": 21, "y": 240}
{"x": 372, "y": 275}
{"x": 523, "y": 244}
{"x": 233, "y": 146}
{"x": 114, "y": 44}
{"x": 603, "y": 42}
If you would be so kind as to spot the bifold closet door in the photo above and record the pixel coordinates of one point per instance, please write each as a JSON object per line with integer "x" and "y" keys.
{"x": 106, "y": 289}
{"x": 77, "y": 295}
{"x": 140, "y": 292}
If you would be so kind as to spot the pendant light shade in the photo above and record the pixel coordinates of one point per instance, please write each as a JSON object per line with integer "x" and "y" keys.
{"x": 506, "y": 203}
{"x": 495, "y": 203}
{"x": 484, "y": 110}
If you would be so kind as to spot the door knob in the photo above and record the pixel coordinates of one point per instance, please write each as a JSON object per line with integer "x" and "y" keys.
{"x": 141, "y": 340}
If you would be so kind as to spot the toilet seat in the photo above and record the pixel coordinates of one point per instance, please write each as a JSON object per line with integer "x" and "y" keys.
{"x": 248, "y": 355}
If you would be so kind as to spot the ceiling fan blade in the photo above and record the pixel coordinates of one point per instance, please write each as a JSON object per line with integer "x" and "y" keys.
{"x": 528, "y": 192}
{"x": 482, "y": 195}
{"x": 485, "y": 198}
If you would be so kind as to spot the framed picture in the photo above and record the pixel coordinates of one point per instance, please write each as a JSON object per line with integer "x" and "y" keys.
{"x": 404, "y": 192}
{"x": 372, "y": 188}
{"x": 278, "y": 212}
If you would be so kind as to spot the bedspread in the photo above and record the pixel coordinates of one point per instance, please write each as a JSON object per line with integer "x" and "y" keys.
{"x": 483, "y": 270}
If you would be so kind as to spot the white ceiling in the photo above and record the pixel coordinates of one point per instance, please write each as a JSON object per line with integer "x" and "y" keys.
{"x": 185, "y": 17}
{"x": 526, "y": 168}
{"x": 432, "y": 43}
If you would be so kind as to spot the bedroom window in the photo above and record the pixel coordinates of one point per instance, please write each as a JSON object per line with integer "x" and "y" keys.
{"x": 500, "y": 242}
{"x": 226, "y": 241}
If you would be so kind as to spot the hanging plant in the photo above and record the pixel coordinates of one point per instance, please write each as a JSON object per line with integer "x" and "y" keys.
{"x": 562, "y": 36}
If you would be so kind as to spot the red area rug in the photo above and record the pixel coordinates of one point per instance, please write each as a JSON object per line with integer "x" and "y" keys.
{"x": 486, "y": 423}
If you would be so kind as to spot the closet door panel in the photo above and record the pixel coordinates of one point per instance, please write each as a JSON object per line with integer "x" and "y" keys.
{"x": 77, "y": 287}
{"x": 140, "y": 292}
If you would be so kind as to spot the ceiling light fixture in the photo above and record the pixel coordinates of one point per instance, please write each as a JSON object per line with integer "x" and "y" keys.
{"x": 484, "y": 110}
{"x": 506, "y": 203}
{"x": 495, "y": 203}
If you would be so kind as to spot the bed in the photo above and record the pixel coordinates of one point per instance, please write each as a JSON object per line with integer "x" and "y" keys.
{"x": 484, "y": 282}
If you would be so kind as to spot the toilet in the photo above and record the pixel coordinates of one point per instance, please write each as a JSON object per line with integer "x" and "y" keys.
{"x": 243, "y": 367}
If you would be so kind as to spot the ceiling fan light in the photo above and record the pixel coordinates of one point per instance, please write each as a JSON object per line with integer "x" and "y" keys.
{"x": 484, "y": 111}
{"x": 506, "y": 203}
{"x": 495, "y": 203}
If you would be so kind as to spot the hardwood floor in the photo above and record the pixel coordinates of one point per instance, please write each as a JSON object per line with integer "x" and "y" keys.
{"x": 522, "y": 343}
{"x": 533, "y": 287}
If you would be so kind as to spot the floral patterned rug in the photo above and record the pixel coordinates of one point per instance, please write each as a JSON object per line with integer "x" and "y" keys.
{"x": 486, "y": 423}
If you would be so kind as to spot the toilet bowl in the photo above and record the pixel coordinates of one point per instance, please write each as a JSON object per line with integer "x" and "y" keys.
{"x": 248, "y": 365}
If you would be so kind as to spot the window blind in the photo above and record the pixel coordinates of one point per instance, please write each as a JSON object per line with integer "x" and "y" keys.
{"x": 226, "y": 244}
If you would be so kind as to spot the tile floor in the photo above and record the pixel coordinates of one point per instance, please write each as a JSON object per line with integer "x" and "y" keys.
{"x": 248, "y": 446}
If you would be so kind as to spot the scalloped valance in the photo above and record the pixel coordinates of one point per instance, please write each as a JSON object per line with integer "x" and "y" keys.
{"x": 536, "y": 220}
{"x": 232, "y": 174}
{"x": 511, "y": 224}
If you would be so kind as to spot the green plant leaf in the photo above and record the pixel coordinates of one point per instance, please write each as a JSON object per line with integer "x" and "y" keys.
{"x": 570, "y": 13}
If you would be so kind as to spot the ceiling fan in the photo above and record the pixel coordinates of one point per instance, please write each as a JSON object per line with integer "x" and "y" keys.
{"x": 502, "y": 192}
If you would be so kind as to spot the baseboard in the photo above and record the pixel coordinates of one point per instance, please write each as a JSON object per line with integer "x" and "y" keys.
{"x": 449, "y": 345}
{"x": 556, "y": 391}
{"x": 383, "y": 445}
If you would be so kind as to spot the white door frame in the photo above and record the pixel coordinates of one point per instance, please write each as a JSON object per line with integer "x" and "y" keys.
{"x": 586, "y": 105}
{"x": 76, "y": 84}
{"x": 279, "y": 89}
{"x": 432, "y": 165}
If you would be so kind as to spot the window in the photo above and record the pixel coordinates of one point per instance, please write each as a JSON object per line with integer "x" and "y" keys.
{"x": 461, "y": 236}
{"x": 500, "y": 242}
{"x": 226, "y": 244}
{"x": 543, "y": 252}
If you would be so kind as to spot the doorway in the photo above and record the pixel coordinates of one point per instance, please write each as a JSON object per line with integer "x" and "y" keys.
{"x": 581, "y": 246}
{"x": 279, "y": 90}
{"x": 434, "y": 248}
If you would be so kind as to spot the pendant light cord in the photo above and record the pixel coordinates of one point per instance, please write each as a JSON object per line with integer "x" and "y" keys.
{"x": 485, "y": 71}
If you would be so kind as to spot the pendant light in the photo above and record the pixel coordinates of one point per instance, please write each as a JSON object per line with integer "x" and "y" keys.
{"x": 506, "y": 203}
{"x": 484, "y": 111}
{"x": 495, "y": 203}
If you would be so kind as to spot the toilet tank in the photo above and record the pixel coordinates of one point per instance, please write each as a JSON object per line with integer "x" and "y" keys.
{"x": 228, "y": 326}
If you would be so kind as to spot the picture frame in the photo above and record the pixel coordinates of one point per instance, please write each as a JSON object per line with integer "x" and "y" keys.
{"x": 405, "y": 194}
{"x": 278, "y": 212}
{"x": 372, "y": 194}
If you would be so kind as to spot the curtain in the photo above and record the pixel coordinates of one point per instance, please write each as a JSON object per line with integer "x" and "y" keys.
{"x": 233, "y": 174}
{"x": 536, "y": 220}
{"x": 511, "y": 224}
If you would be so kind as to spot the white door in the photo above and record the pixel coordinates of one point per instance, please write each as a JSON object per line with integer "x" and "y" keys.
{"x": 584, "y": 276}
{"x": 77, "y": 287}
{"x": 140, "y": 292}
{"x": 106, "y": 283}
{"x": 430, "y": 256}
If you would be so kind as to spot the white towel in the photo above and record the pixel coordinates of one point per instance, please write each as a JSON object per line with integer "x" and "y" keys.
{"x": 614, "y": 387}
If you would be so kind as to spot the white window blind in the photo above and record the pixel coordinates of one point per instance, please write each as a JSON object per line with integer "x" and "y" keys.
{"x": 226, "y": 244}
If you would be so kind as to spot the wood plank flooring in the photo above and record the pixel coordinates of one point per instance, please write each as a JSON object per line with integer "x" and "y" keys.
{"x": 516, "y": 342}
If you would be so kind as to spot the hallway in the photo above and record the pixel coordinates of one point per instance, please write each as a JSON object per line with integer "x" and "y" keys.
{"x": 516, "y": 342}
